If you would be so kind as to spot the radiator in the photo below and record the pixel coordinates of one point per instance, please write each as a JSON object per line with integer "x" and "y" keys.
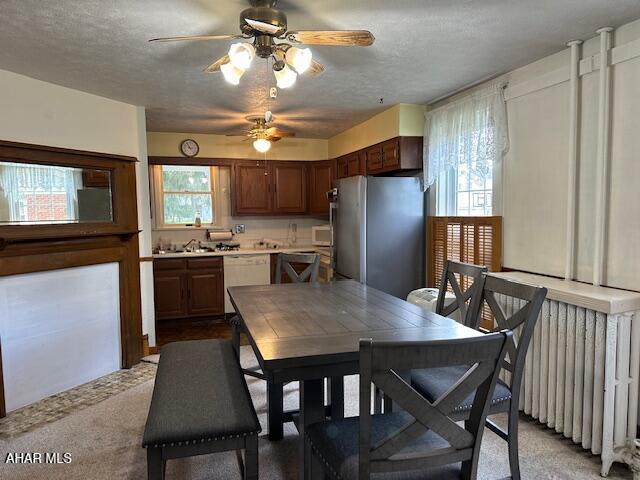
{"x": 581, "y": 377}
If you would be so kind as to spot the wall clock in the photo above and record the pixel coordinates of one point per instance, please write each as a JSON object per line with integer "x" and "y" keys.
{"x": 189, "y": 147}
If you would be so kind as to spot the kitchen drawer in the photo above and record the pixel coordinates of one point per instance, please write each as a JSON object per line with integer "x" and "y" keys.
{"x": 204, "y": 262}
{"x": 169, "y": 264}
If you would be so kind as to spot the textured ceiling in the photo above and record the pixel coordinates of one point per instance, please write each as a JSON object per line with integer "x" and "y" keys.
{"x": 423, "y": 49}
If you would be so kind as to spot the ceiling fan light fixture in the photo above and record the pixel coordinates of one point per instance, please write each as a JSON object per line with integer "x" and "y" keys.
{"x": 262, "y": 145}
{"x": 285, "y": 77}
{"x": 232, "y": 74}
{"x": 241, "y": 55}
{"x": 299, "y": 58}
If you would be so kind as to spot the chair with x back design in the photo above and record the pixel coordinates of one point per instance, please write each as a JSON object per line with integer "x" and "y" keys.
{"x": 432, "y": 382}
{"x": 284, "y": 265}
{"x": 423, "y": 438}
{"x": 465, "y": 300}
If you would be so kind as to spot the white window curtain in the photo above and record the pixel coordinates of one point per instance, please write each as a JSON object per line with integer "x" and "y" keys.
{"x": 19, "y": 180}
{"x": 469, "y": 132}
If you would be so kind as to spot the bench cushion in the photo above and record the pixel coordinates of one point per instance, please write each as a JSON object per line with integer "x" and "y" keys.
{"x": 199, "y": 395}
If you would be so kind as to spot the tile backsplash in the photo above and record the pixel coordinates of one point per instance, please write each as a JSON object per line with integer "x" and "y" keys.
{"x": 274, "y": 229}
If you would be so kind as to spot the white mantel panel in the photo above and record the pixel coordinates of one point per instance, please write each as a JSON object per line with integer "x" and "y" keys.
{"x": 58, "y": 330}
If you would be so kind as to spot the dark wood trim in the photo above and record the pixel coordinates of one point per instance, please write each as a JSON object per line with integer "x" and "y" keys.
{"x": 146, "y": 259}
{"x": 206, "y": 161}
{"x": 8, "y": 149}
{"x": 40, "y": 248}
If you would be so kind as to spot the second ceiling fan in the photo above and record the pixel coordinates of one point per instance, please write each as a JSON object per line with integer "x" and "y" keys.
{"x": 267, "y": 26}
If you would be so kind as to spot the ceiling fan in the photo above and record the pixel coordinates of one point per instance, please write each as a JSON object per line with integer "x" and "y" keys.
{"x": 263, "y": 134}
{"x": 267, "y": 26}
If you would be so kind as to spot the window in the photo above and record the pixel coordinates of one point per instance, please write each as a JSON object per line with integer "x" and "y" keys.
{"x": 466, "y": 190}
{"x": 183, "y": 193}
{"x": 464, "y": 145}
{"x": 41, "y": 194}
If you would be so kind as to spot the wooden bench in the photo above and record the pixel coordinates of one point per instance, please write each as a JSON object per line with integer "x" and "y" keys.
{"x": 200, "y": 405}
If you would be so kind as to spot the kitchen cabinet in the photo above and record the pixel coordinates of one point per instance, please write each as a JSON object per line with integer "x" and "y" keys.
{"x": 252, "y": 188}
{"x": 351, "y": 164}
{"x": 169, "y": 294}
{"x": 289, "y": 187}
{"x": 396, "y": 154}
{"x": 374, "y": 159}
{"x": 342, "y": 166}
{"x": 320, "y": 182}
{"x": 391, "y": 154}
{"x": 191, "y": 287}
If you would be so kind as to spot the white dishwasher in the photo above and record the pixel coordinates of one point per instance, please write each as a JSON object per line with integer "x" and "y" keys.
{"x": 242, "y": 270}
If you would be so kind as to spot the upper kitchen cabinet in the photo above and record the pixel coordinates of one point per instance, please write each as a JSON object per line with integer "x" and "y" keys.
{"x": 397, "y": 154}
{"x": 320, "y": 182}
{"x": 394, "y": 155}
{"x": 289, "y": 187}
{"x": 252, "y": 188}
{"x": 351, "y": 164}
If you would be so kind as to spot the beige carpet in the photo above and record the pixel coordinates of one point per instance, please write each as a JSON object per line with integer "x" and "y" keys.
{"x": 104, "y": 442}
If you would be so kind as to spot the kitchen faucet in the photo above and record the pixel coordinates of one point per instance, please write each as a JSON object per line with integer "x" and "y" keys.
{"x": 186, "y": 245}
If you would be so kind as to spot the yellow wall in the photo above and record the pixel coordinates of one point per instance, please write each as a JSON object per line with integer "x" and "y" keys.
{"x": 163, "y": 144}
{"x": 401, "y": 119}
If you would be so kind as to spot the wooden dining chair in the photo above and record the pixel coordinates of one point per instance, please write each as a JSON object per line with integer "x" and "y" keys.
{"x": 431, "y": 383}
{"x": 423, "y": 437}
{"x": 465, "y": 303}
{"x": 465, "y": 298}
{"x": 310, "y": 273}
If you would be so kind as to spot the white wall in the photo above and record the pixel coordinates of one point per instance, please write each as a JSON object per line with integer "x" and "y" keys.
{"x": 42, "y": 113}
{"x": 59, "y": 329}
{"x": 535, "y": 169}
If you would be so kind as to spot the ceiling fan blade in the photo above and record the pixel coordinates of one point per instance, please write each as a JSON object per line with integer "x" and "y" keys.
{"x": 215, "y": 66}
{"x": 316, "y": 68}
{"x": 196, "y": 37}
{"x": 262, "y": 26}
{"x": 359, "y": 38}
{"x": 276, "y": 132}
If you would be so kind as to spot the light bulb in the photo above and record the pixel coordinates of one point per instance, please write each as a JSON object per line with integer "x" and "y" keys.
{"x": 299, "y": 58}
{"x": 285, "y": 77}
{"x": 231, "y": 73}
{"x": 262, "y": 145}
{"x": 241, "y": 55}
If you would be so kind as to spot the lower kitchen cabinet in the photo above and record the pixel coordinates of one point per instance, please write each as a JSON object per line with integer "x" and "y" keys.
{"x": 169, "y": 293}
{"x": 191, "y": 287}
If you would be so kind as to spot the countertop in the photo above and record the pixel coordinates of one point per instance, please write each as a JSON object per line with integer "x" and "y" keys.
{"x": 244, "y": 251}
{"x": 602, "y": 299}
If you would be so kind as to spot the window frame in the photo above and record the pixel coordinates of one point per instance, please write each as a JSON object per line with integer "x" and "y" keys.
{"x": 157, "y": 200}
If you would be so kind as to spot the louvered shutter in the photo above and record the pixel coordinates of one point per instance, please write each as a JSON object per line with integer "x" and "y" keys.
{"x": 476, "y": 240}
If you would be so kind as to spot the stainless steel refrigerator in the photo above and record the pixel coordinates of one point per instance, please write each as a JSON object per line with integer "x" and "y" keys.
{"x": 379, "y": 232}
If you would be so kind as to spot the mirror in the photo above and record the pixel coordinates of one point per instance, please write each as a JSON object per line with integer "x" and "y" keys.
{"x": 34, "y": 194}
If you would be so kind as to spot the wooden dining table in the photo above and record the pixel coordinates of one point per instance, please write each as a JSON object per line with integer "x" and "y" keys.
{"x": 311, "y": 332}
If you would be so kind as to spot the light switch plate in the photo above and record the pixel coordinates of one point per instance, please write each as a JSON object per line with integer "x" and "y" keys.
{"x": 239, "y": 228}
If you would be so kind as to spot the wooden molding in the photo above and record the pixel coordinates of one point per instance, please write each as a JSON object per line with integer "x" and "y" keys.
{"x": 146, "y": 259}
{"x": 40, "y": 248}
{"x": 206, "y": 161}
{"x": 7, "y": 147}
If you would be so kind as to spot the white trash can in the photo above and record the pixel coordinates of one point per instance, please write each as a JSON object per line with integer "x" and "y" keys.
{"x": 428, "y": 297}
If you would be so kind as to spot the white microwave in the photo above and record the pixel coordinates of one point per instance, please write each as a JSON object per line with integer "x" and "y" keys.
{"x": 321, "y": 236}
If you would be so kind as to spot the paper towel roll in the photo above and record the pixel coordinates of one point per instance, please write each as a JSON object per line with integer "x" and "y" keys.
{"x": 220, "y": 236}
